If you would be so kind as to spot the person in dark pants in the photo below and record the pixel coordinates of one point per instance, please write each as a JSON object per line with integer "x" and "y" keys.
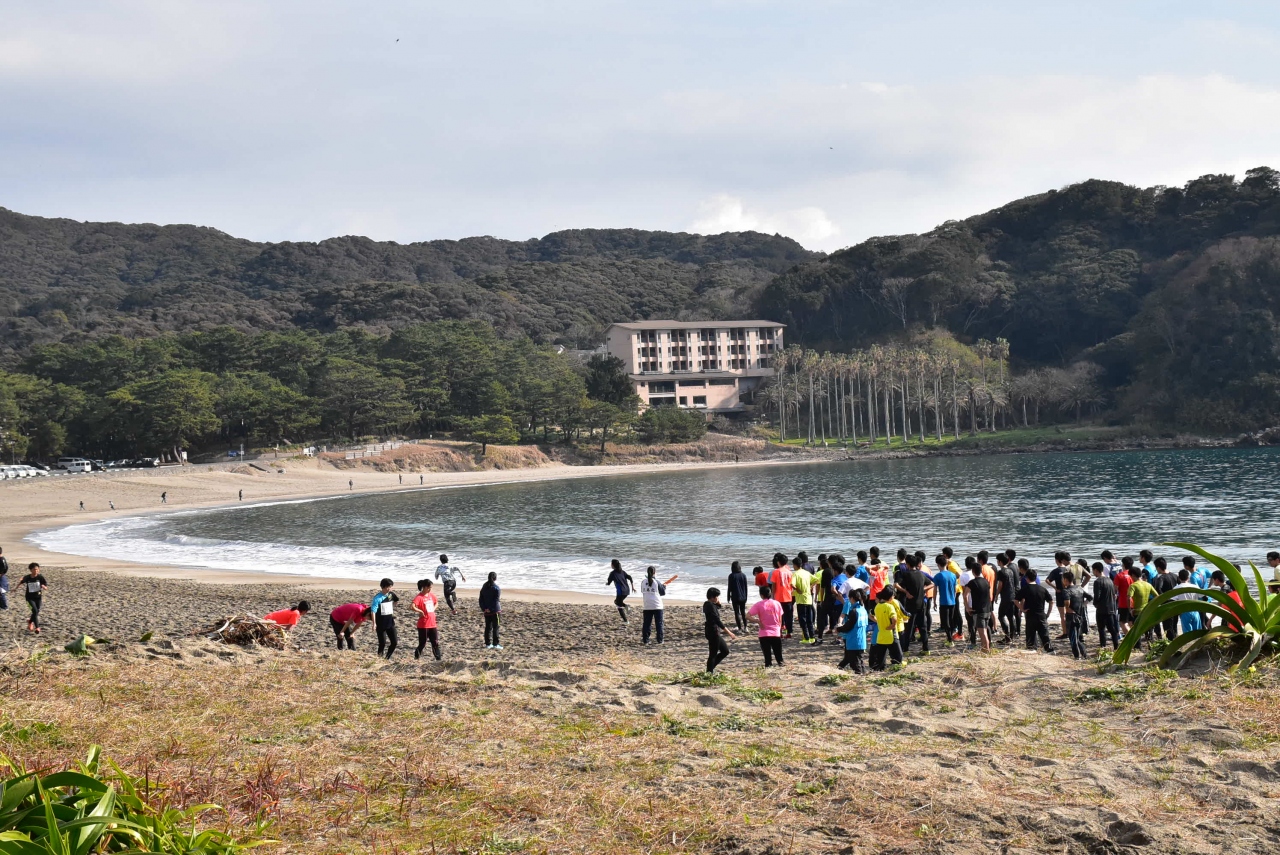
{"x": 737, "y": 590}
{"x": 1165, "y": 582}
{"x": 651, "y": 593}
{"x": 345, "y": 620}
{"x": 384, "y": 618}
{"x": 425, "y": 606}
{"x": 854, "y": 630}
{"x": 1106, "y": 612}
{"x": 491, "y": 605}
{"x": 33, "y": 587}
{"x": 445, "y": 574}
{"x": 768, "y": 612}
{"x": 715, "y": 629}
{"x": 1076, "y": 599}
{"x": 1035, "y": 601}
{"x": 888, "y": 616}
{"x": 1006, "y": 591}
{"x": 622, "y": 584}
{"x": 916, "y": 589}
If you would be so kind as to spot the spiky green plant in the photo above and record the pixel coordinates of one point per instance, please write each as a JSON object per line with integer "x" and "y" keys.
{"x": 1253, "y": 623}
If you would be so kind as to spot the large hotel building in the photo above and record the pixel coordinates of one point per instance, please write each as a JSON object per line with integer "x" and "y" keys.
{"x": 700, "y": 364}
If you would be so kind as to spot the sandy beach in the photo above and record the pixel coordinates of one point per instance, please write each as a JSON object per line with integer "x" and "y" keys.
{"x": 34, "y": 504}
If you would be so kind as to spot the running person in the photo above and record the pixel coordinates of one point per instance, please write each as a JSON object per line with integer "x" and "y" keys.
{"x": 384, "y": 617}
{"x": 445, "y": 574}
{"x": 425, "y": 605}
{"x": 33, "y": 586}
{"x": 345, "y": 620}
{"x": 715, "y": 629}
{"x": 623, "y": 585}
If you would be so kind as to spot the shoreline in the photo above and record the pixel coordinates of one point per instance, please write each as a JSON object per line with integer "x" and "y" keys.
{"x": 35, "y": 505}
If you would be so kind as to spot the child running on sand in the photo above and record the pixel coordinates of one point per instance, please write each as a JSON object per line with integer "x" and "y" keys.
{"x": 345, "y": 620}
{"x": 34, "y": 585}
{"x": 768, "y": 613}
{"x": 623, "y": 585}
{"x": 384, "y": 617}
{"x": 425, "y": 605}
{"x": 445, "y": 574}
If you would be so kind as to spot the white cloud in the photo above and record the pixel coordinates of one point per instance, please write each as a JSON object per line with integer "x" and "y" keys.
{"x": 724, "y": 213}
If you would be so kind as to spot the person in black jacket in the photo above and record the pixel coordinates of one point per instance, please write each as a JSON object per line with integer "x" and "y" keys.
{"x": 717, "y": 650}
{"x": 1036, "y": 602}
{"x": 491, "y": 605}
{"x": 1106, "y": 613}
{"x": 1165, "y": 582}
{"x": 738, "y": 595}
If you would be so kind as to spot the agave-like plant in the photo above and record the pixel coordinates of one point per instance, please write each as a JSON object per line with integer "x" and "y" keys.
{"x": 1254, "y": 623}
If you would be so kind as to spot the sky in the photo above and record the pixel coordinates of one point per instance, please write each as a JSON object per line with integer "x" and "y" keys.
{"x": 829, "y": 122}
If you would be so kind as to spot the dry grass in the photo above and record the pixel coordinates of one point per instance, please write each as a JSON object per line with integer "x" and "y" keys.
{"x": 340, "y": 755}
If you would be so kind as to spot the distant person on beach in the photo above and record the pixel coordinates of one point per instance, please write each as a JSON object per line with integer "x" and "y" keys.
{"x": 491, "y": 605}
{"x": 33, "y": 586}
{"x": 425, "y": 605}
{"x": 164, "y": 498}
{"x": 1076, "y": 609}
{"x": 623, "y": 585}
{"x": 384, "y": 617}
{"x": 715, "y": 629}
{"x": 401, "y": 477}
{"x": 1006, "y": 589}
{"x": 445, "y": 574}
{"x": 4, "y": 582}
{"x": 758, "y": 572}
{"x": 288, "y": 618}
{"x": 946, "y": 584}
{"x": 651, "y": 593}
{"x": 351, "y": 485}
{"x": 979, "y": 589}
{"x": 1140, "y": 593}
{"x": 1124, "y": 606}
{"x": 737, "y": 589}
{"x": 345, "y": 620}
{"x": 768, "y": 613}
{"x": 82, "y": 504}
{"x": 242, "y": 495}
{"x": 420, "y": 481}
{"x": 111, "y": 504}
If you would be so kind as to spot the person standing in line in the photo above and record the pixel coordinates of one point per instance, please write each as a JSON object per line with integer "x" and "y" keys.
{"x": 1105, "y": 605}
{"x": 288, "y": 618}
{"x": 1076, "y": 604}
{"x": 980, "y": 604}
{"x": 1062, "y": 561}
{"x": 768, "y": 613}
{"x": 1164, "y": 583}
{"x": 33, "y": 587}
{"x": 622, "y": 584}
{"x": 491, "y": 605}
{"x": 780, "y": 583}
{"x": 4, "y": 582}
{"x": 425, "y": 605}
{"x": 970, "y": 571}
{"x": 944, "y": 582}
{"x": 1140, "y": 594}
{"x": 445, "y": 574}
{"x": 737, "y": 589}
{"x": 1005, "y": 591}
{"x": 1190, "y": 620}
{"x": 802, "y": 584}
{"x": 1110, "y": 565}
{"x": 854, "y": 630}
{"x": 1036, "y": 603}
{"x": 1199, "y": 576}
{"x": 832, "y": 606}
{"x": 916, "y": 589}
{"x": 345, "y": 620}
{"x": 889, "y": 618}
{"x": 651, "y": 593}
{"x": 1124, "y": 606}
{"x": 384, "y": 618}
{"x": 715, "y": 629}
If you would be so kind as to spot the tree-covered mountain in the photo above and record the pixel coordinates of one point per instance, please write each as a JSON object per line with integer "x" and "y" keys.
{"x": 61, "y": 280}
{"x": 1173, "y": 292}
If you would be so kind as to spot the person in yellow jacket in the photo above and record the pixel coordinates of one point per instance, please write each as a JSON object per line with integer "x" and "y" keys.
{"x": 890, "y": 620}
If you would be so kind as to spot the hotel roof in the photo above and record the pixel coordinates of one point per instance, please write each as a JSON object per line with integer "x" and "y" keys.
{"x": 693, "y": 325}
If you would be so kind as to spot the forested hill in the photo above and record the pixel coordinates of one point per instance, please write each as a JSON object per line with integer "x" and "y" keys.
{"x": 61, "y": 279}
{"x": 1174, "y": 292}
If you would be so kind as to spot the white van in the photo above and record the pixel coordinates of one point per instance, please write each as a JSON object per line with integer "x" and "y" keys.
{"x": 75, "y": 464}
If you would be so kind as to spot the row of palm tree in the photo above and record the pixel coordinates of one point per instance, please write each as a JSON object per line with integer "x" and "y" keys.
{"x": 903, "y": 392}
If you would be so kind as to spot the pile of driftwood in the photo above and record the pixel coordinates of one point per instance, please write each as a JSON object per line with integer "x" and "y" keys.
{"x": 246, "y": 630}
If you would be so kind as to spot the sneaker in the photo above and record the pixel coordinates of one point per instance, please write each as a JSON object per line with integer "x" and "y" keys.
{"x": 497, "y": 647}
{"x": 488, "y": 647}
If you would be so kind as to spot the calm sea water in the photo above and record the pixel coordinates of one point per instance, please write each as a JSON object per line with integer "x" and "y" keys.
{"x": 561, "y": 534}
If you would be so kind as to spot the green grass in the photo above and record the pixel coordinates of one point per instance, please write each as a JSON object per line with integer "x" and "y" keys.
{"x": 901, "y": 678}
{"x": 832, "y": 679}
{"x": 732, "y": 685}
{"x": 1065, "y": 434}
{"x": 1123, "y": 693}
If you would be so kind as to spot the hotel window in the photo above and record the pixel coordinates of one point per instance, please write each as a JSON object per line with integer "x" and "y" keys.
{"x": 680, "y": 335}
{"x": 766, "y": 333}
{"x": 738, "y": 334}
{"x": 708, "y": 364}
{"x": 707, "y": 335}
{"x": 680, "y": 365}
{"x": 699, "y": 400}
{"x": 684, "y": 402}
{"x": 659, "y": 387}
{"x": 649, "y": 336}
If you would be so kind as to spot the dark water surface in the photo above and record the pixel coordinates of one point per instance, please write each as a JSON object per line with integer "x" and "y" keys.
{"x": 561, "y": 534}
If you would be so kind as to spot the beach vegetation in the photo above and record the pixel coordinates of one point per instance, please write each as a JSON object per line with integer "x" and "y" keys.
{"x": 1247, "y": 628}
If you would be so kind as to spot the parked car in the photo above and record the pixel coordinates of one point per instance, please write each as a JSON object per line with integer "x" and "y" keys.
{"x": 75, "y": 464}
{"x": 149, "y": 462}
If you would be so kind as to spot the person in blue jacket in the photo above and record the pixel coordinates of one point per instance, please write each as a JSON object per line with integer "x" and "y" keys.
{"x": 854, "y": 630}
{"x": 491, "y": 605}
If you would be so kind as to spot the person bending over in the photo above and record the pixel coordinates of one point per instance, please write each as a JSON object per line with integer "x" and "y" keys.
{"x": 345, "y": 620}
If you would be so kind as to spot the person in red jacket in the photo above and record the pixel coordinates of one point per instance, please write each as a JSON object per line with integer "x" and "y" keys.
{"x": 288, "y": 618}
{"x": 424, "y": 605}
{"x": 345, "y": 620}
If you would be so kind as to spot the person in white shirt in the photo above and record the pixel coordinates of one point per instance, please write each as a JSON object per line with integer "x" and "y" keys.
{"x": 651, "y": 592}
{"x": 445, "y": 574}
